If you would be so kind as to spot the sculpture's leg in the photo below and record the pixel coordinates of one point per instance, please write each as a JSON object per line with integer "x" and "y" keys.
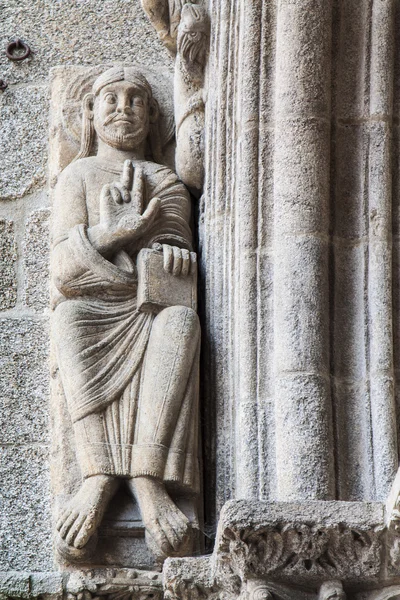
{"x": 83, "y": 514}
{"x": 170, "y": 365}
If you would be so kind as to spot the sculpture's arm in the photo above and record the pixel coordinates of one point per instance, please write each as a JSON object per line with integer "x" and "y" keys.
{"x": 173, "y": 223}
{"x": 69, "y": 211}
{"x": 158, "y": 13}
{"x": 165, "y": 16}
{"x": 78, "y": 250}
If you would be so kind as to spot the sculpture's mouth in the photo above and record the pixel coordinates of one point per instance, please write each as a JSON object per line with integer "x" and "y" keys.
{"x": 115, "y": 118}
{"x": 123, "y": 120}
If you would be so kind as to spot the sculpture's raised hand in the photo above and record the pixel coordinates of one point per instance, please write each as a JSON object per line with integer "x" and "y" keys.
{"x": 121, "y": 212}
{"x": 121, "y": 190}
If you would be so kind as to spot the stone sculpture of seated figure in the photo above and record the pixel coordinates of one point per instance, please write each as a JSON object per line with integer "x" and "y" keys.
{"x": 130, "y": 378}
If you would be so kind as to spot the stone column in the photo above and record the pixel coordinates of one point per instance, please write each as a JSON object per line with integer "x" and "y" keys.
{"x": 304, "y": 456}
{"x": 383, "y": 413}
{"x": 295, "y": 240}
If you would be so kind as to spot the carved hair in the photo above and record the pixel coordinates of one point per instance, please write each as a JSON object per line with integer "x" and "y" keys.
{"x": 112, "y": 76}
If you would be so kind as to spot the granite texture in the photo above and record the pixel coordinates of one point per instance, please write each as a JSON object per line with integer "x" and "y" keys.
{"x": 23, "y": 140}
{"x": 8, "y": 258}
{"x": 25, "y": 535}
{"x": 24, "y": 382}
{"x": 36, "y": 249}
{"x": 74, "y": 32}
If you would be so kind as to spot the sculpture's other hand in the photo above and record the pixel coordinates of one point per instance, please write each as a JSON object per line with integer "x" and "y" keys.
{"x": 121, "y": 212}
{"x": 178, "y": 261}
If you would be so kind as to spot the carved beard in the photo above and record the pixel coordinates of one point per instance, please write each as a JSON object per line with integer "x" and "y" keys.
{"x": 110, "y": 135}
{"x": 191, "y": 45}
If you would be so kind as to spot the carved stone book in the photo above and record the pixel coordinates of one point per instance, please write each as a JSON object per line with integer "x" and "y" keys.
{"x": 158, "y": 289}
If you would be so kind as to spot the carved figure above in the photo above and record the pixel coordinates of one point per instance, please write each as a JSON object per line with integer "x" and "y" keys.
{"x": 165, "y": 16}
{"x": 189, "y": 94}
{"x": 129, "y": 373}
{"x": 184, "y": 29}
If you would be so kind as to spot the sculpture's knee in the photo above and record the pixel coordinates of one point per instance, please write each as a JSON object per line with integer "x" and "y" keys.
{"x": 179, "y": 319}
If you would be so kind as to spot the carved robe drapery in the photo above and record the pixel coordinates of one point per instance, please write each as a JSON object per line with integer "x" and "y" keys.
{"x": 102, "y": 337}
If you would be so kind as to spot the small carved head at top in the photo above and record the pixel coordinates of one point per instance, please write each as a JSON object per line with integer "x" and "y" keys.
{"x": 121, "y": 111}
{"x": 193, "y": 34}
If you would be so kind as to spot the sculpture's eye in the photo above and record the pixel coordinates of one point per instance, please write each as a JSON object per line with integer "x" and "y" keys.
{"x": 110, "y": 98}
{"x": 137, "y": 101}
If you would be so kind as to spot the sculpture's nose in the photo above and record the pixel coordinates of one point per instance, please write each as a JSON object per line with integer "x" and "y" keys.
{"x": 123, "y": 105}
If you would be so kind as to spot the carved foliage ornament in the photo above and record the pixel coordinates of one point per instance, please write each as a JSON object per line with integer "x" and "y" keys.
{"x": 303, "y": 551}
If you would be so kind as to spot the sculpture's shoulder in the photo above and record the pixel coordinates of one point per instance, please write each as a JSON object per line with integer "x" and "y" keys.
{"x": 78, "y": 170}
{"x": 159, "y": 172}
{"x": 160, "y": 176}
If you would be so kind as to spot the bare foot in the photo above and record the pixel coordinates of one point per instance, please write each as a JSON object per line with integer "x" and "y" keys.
{"x": 168, "y": 527}
{"x": 84, "y": 512}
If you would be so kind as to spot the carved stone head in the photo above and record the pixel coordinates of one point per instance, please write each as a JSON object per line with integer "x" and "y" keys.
{"x": 120, "y": 110}
{"x": 193, "y": 33}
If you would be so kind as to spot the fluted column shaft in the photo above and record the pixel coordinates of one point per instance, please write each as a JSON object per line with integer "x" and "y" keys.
{"x": 304, "y": 456}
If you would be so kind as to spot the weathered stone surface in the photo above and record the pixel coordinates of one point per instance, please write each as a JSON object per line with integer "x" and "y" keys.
{"x": 130, "y": 375}
{"x": 189, "y": 94}
{"x": 23, "y": 140}
{"x": 28, "y": 585}
{"x": 313, "y": 541}
{"x": 8, "y": 258}
{"x": 104, "y": 583}
{"x": 127, "y": 584}
{"x": 189, "y": 578}
{"x": 24, "y": 382}
{"x": 25, "y": 535}
{"x": 36, "y": 248}
{"x": 63, "y": 33}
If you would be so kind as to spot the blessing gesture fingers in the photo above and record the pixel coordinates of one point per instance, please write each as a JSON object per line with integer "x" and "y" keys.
{"x": 122, "y": 218}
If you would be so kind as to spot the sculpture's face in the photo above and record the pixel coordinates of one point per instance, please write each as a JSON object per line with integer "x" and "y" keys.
{"x": 192, "y": 33}
{"x": 121, "y": 115}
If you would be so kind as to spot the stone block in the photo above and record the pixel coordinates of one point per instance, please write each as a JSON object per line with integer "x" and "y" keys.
{"x": 23, "y": 140}
{"x": 349, "y": 69}
{"x": 304, "y": 460}
{"x": 312, "y": 541}
{"x": 14, "y": 584}
{"x": 23, "y": 382}
{"x": 8, "y": 258}
{"x": 36, "y": 248}
{"x": 46, "y": 583}
{"x": 26, "y": 585}
{"x": 77, "y": 33}
{"x": 303, "y": 58}
{"x": 25, "y": 537}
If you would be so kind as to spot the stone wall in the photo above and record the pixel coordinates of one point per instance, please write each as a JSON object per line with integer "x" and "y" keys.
{"x": 69, "y": 32}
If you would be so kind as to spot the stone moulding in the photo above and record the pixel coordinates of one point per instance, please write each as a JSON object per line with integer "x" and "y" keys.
{"x": 102, "y": 584}
{"x": 114, "y": 584}
{"x": 289, "y": 550}
{"x": 302, "y": 543}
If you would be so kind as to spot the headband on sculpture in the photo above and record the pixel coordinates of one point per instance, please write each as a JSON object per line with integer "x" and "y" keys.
{"x": 121, "y": 73}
